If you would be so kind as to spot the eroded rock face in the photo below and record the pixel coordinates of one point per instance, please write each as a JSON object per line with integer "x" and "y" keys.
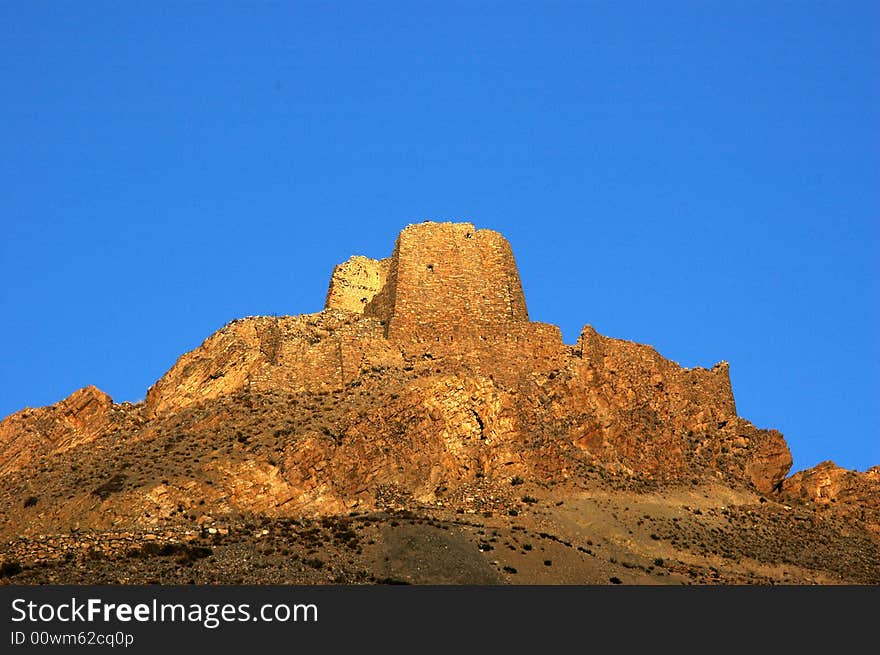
{"x": 828, "y": 483}
{"x": 423, "y": 374}
{"x": 314, "y": 352}
{"x": 32, "y": 433}
{"x": 356, "y": 282}
{"x": 653, "y": 416}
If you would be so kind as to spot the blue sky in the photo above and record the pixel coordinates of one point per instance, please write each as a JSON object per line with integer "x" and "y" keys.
{"x": 699, "y": 176}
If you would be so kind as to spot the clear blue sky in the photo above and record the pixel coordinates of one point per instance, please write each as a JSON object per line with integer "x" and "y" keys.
{"x": 700, "y": 176}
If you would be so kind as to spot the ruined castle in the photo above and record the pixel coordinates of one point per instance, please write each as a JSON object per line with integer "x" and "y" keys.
{"x": 424, "y": 370}
{"x": 442, "y": 279}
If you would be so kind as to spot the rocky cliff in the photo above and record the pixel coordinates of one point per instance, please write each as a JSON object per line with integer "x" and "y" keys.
{"x": 31, "y": 434}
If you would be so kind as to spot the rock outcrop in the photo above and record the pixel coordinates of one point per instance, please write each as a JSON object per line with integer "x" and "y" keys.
{"x": 447, "y": 306}
{"x": 355, "y": 282}
{"x": 828, "y": 484}
{"x": 311, "y": 352}
{"x": 80, "y": 418}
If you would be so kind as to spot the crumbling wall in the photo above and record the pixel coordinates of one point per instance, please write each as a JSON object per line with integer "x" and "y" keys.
{"x": 355, "y": 282}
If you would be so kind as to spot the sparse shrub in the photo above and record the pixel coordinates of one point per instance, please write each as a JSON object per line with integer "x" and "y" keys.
{"x": 30, "y": 501}
{"x": 9, "y": 569}
{"x": 114, "y": 484}
{"x": 516, "y": 480}
{"x": 191, "y": 554}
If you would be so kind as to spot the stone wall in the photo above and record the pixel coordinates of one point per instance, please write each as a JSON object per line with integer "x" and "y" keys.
{"x": 448, "y": 278}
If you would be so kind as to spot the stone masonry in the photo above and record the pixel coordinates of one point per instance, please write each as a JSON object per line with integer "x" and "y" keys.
{"x": 447, "y": 278}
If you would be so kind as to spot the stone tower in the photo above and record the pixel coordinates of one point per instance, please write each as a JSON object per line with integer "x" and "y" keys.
{"x": 443, "y": 279}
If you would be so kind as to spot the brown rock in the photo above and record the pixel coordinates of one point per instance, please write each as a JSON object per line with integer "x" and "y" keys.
{"x": 422, "y": 377}
{"x": 356, "y": 282}
{"x": 312, "y": 352}
{"x": 32, "y": 433}
{"x": 770, "y": 459}
{"x": 852, "y": 494}
{"x": 828, "y": 483}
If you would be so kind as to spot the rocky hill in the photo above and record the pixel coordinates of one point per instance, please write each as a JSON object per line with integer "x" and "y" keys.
{"x": 422, "y": 429}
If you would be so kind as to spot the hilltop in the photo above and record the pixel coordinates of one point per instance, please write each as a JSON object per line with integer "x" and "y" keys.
{"x": 422, "y": 428}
